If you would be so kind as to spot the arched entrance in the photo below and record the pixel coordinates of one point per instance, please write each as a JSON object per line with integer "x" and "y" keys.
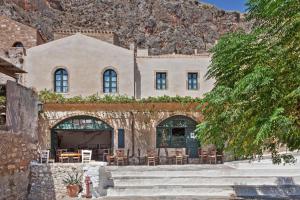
{"x": 82, "y": 132}
{"x": 178, "y": 132}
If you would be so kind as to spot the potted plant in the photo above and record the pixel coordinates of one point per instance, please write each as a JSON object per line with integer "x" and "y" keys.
{"x": 73, "y": 183}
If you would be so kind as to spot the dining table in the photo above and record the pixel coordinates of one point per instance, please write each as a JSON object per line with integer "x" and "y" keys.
{"x": 70, "y": 155}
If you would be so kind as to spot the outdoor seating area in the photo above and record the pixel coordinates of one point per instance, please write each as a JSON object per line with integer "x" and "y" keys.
{"x": 65, "y": 156}
{"x": 121, "y": 157}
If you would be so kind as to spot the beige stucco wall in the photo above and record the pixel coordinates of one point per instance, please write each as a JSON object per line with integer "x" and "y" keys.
{"x": 177, "y": 68}
{"x": 85, "y": 59}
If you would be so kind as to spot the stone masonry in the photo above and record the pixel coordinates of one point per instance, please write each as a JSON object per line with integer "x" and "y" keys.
{"x": 12, "y": 32}
{"x": 16, "y": 154}
{"x": 139, "y": 121}
{"x": 47, "y": 180}
{"x": 106, "y": 36}
{"x": 19, "y": 142}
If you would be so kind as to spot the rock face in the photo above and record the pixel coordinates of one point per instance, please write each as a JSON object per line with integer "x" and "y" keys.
{"x": 163, "y": 26}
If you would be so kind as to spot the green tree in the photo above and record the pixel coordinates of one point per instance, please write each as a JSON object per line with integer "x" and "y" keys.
{"x": 255, "y": 104}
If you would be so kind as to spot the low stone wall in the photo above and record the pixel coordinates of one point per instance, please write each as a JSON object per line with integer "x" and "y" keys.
{"x": 18, "y": 141}
{"x": 47, "y": 179}
{"x": 16, "y": 152}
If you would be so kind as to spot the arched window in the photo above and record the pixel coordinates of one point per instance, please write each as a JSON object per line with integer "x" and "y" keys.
{"x": 18, "y": 44}
{"x": 175, "y": 131}
{"x": 61, "y": 81}
{"x": 109, "y": 81}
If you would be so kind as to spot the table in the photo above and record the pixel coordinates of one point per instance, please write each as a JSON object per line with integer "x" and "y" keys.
{"x": 70, "y": 155}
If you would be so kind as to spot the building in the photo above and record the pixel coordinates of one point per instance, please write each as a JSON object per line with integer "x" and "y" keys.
{"x": 79, "y": 65}
{"x": 15, "y": 34}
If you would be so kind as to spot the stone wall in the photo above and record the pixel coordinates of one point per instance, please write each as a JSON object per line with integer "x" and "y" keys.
{"x": 106, "y": 36}
{"x": 19, "y": 142}
{"x": 139, "y": 121}
{"x": 12, "y": 32}
{"x": 16, "y": 154}
{"x": 22, "y": 110}
{"x": 47, "y": 180}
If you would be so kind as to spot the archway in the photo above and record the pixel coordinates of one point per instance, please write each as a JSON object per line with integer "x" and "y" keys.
{"x": 18, "y": 45}
{"x": 178, "y": 132}
{"x": 82, "y": 132}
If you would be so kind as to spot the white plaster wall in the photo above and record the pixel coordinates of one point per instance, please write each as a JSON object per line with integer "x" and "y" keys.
{"x": 177, "y": 68}
{"x": 85, "y": 58}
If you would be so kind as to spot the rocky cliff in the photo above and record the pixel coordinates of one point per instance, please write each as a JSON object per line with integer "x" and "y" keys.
{"x": 164, "y": 26}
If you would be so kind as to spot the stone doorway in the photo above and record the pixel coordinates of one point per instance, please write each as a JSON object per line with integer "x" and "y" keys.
{"x": 83, "y": 132}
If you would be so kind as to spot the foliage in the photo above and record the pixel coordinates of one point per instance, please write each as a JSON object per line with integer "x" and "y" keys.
{"x": 255, "y": 105}
{"x": 2, "y": 100}
{"x": 51, "y": 97}
{"x": 73, "y": 179}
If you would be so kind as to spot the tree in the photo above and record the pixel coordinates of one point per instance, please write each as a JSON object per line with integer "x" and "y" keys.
{"x": 255, "y": 104}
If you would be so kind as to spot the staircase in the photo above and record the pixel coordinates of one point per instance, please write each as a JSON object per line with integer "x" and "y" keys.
{"x": 199, "y": 182}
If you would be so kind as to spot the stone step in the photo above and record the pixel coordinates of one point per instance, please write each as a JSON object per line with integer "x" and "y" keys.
{"x": 200, "y": 191}
{"x": 167, "y": 167}
{"x": 205, "y": 181}
{"x": 208, "y": 173}
{"x": 198, "y": 198}
{"x": 175, "y": 198}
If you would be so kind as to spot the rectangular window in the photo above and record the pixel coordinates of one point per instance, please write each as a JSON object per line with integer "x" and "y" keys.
{"x": 121, "y": 139}
{"x": 161, "y": 80}
{"x": 192, "y": 81}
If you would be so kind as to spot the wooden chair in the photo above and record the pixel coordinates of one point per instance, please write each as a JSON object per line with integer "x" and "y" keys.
{"x": 186, "y": 158}
{"x": 86, "y": 156}
{"x": 109, "y": 157}
{"x": 77, "y": 158}
{"x": 151, "y": 160}
{"x": 220, "y": 157}
{"x": 44, "y": 156}
{"x": 178, "y": 157}
{"x": 62, "y": 158}
{"x": 120, "y": 157}
{"x": 213, "y": 156}
{"x": 203, "y": 155}
{"x": 106, "y": 152}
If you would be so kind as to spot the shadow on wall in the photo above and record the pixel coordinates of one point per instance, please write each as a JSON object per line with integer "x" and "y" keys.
{"x": 285, "y": 188}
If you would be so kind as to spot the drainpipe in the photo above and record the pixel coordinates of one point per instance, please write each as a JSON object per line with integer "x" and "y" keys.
{"x": 132, "y": 131}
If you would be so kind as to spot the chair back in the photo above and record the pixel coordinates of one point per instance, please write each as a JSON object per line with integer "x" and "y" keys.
{"x": 86, "y": 156}
{"x": 120, "y": 153}
{"x": 213, "y": 152}
{"x": 60, "y": 151}
{"x": 178, "y": 152}
{"x": 44, "y": 155}
{"x": 151, "y": 153}
{"x": 199, "y": 151}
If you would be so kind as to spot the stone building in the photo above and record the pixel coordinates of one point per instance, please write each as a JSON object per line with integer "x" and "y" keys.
{"x": 15, "y": 34}
{"x": 80, "y": 63}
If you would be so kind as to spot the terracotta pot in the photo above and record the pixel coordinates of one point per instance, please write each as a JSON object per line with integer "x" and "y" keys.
{"x": 73, "y": 190}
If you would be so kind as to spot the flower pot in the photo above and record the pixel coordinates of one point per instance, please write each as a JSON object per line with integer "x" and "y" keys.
{"x": 73, "y": 190}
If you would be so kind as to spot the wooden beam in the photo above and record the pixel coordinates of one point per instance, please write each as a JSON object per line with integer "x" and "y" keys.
{"x": 8, "y": 72}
